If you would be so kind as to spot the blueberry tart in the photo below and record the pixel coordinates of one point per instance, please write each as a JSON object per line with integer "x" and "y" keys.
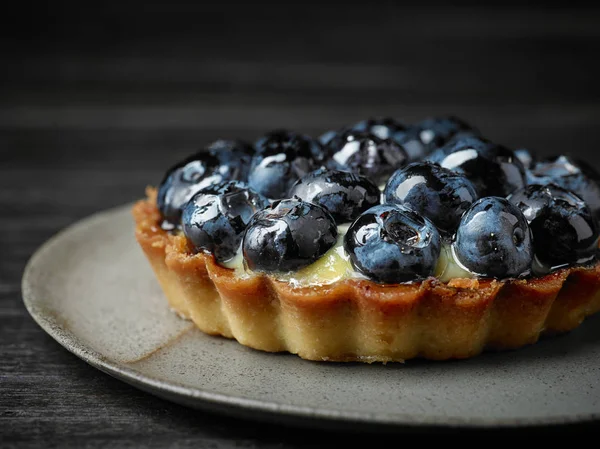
{"x": 383, "y": 241}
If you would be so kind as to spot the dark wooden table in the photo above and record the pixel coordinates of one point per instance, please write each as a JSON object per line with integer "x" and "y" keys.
{"x": 95, "y": 104}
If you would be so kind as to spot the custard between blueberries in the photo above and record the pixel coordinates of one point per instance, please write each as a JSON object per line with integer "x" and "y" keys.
{"x": 289, "y": 245}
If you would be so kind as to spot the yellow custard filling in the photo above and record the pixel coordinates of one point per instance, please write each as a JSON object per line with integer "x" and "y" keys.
{"x": 335, "y": 266}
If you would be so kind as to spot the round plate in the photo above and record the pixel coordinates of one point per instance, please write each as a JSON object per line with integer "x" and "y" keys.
{"x": 91, "y": 288}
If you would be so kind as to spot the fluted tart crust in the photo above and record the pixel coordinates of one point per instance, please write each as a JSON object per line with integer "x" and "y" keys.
{"x": 360, "y": 320}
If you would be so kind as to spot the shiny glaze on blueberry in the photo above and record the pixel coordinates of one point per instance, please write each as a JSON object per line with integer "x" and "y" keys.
{"x": 345, "y": 195}
{"x": 390, "y": 244}
{"x": 288, "y": 235}
{"x": 527, "y": 157}
{"x": 365, "y": 154}
{"x": 327, "y": 136}
{"x": 298, "y": 142}
{"x": 433, "y": 133}
{"x": 563, "y": 228}
{"x": 281, "y": 159}
{"x": 182, "y": 181}
{"x": 492, "y": 168}
{"x": 574, "y": 175}
{"x": 494, "y": 240}
{"x": 436, "y": 193}
{"x": 382, "y": 127}
{"x": 216, "y": 217}
{"x": 234, "y": 158}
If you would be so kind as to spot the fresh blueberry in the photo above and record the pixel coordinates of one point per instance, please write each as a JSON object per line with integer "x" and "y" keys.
{"x": 281, "y": 159}
{"x": 365, "y": 154}
{"x": 278, "y": 138}
{"x": 563, "y": 228}
{"x": 182, "y": 181}
{"x": 494, "y": 240}
{"x": 571, "y": 174}
{"x": 492, "y": 168}
{"x": 479, "y": 144}
{"x": 234, "y": 158}
{"x": 288, "y": 235}
{"x": 345, "y": 195}
{"x": 527, "y": 157}
{"x": 216, "y": 217}
{"x": 435, "y": 192}
{"x": 382, "y": 127}
{"x": 327, "y": 137}
{"x": 556, "y": 167}
{"x": 390, "y": 244}
{"x": 433, "y": 133}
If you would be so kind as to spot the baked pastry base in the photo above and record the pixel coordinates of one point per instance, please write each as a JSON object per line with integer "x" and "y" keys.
{"x": 359, "y": 320}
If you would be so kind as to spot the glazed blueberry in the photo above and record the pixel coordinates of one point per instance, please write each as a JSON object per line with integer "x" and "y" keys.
{"x": 492, "y": 168}
{"x": 435, "y": 192}
{"x": 556, "y": 167}
{"x": 382, "y": 127}
{"x": 527, "y": 157}
{"x": 288, "y": 235}
{"x": 182, "y": 181}
{"x": 433, "y": 133}
{"x": 234, "y": 158}
{"x": 479, "y": 144}
{"x": 563, "y": 228}
{"x": 571, "y": 174}
{"x": 327, "y": 137}
{"x": 365, "y": 154}
{"x": 274, "y": 140}
{"x": 494, "y": 240}
{"x": 345, "y": 195}
{"x": 390, "y": 244}
{"x": 281, "y": 159}
{"x": 216, "y": 217}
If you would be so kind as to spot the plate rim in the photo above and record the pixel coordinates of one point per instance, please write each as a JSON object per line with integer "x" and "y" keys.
{"x": 235, "y": 405}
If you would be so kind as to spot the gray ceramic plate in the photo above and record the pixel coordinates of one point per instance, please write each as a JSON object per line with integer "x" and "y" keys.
{"x": 91, "y": 288}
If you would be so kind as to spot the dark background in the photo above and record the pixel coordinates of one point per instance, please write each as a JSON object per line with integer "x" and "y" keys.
{"x": 96, "y": 102}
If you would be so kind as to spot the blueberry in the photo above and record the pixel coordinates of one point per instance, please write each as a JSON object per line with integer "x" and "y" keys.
{"x": 345, "y": 195}
{"x": 435, "y": 192}
{"x": 571, "y": 174}
{"x": 563, "y": 228}
{"x": 390, "y": 243}
{"x": 494, "y": 240}
{"x": 433, "y": 133}
{"x": 234, "y": 158}
{"x": 365, "y": 154}
{"x": 182, "y": 181}
{"x": 327, "y": 137}
{"x": 281, "y": 159}
{"x": 216, "y": 217}
{"x": 527, "y": 157}
{"x": 278, "y": 138}
{"x": 479, "y": 144}
{"x": 288, "y": 235}
{"x": 556, "y": 167}
{"x": 492, "y": 168}
{"x": 382, "y": 127}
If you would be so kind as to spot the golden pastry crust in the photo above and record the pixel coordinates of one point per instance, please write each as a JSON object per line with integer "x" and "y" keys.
{"x": 360, "y": 320}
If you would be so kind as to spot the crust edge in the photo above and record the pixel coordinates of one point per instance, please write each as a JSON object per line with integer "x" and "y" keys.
{"x": 358, "y": 320}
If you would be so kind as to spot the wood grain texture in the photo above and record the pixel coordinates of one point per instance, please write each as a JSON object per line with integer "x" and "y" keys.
{"x": 95, "y": 104}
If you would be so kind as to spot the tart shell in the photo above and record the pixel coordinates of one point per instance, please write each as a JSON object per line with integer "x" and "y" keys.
{"x": 360, "y": 320}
